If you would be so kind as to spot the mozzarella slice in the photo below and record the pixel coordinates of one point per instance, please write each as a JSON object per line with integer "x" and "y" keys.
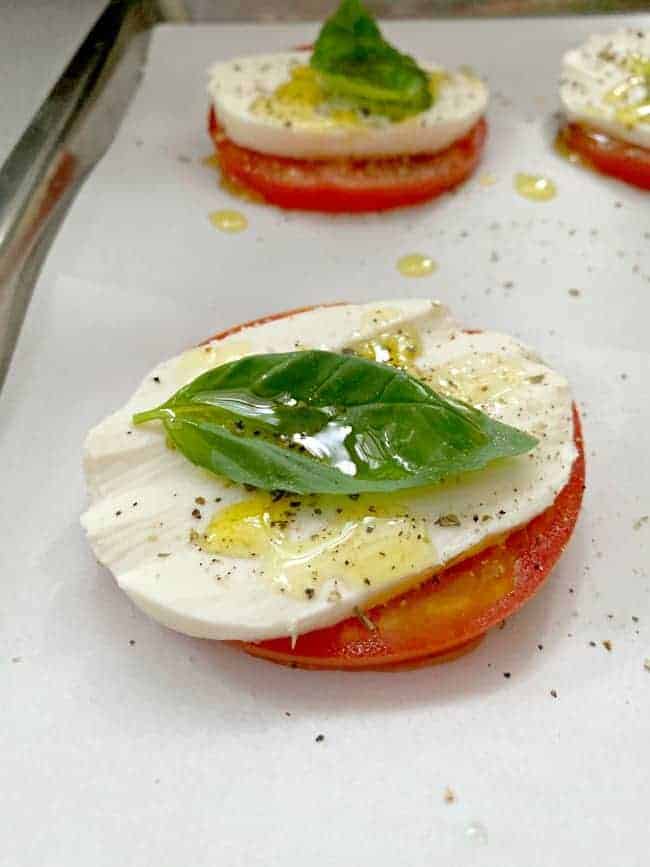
{"x": 605, "y": 85}
{"x": 206, "y": 557}
{"x": 244, "y": 94}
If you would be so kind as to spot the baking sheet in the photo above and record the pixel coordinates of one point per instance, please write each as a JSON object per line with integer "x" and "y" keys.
{"x": 125, "y": 743}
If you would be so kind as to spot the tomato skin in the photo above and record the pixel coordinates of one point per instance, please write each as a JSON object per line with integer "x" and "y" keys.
{"x": 405, "y": 631}
{"x": 408, "y": 664}
{"x": 627, "y": 162}
{"x": 341, "y": 185}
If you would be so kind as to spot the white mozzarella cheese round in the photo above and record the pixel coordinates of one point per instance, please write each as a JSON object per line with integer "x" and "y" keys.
{"x": 151, "y": 510}
{"x": 241, "y": 91}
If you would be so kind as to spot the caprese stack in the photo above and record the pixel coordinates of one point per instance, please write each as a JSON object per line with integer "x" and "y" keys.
{"x": 352, "y": 125}
{"x": 605, "y": 92}
{"x": 354, "y": 486}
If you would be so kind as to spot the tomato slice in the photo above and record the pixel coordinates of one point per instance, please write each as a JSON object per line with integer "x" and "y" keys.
{"x": 449, "y": 610}
{"x": 608, "y": 155}
{"x": 345, "y": 184}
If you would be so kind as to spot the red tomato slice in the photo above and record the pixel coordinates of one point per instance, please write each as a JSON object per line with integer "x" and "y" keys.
{"x": 610, "y": 156}
{"x": 345, "y": 184}
{"x": 449, "y": 610}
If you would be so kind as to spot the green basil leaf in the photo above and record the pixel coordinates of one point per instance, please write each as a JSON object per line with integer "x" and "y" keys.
{"x": 320, "y": 422}
{"x": 358, "y": 65}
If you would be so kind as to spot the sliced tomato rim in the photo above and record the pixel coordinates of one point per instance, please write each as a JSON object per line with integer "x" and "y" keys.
{"x": 521, "y": 563}
{"x": 352, "y": 185}
{"x": 608, "y": 155}
{"x": 410, "y": 664}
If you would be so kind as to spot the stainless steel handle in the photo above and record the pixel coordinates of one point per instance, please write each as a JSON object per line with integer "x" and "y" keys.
{"x": 47, "y": 165}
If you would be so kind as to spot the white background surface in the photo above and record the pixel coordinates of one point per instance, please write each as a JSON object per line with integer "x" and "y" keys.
{"x": 122, "y": 743}
{"x": 37, "y": 40}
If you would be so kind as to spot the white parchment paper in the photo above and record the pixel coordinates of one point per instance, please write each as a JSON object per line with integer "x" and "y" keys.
{"x": 123, "y": 743}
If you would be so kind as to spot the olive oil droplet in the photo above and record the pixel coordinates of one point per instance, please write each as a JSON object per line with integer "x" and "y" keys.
{"x": 228, "y": 221}
{"x": 303, "y": 100}
{"x": 535, "y": 187}
{"x": 399, "y": 348}
{"x": 483, "y": 380}
{"x": 477, "y": 834}
{"x": 310, "y": 544}
{"x": 416, "y": 265}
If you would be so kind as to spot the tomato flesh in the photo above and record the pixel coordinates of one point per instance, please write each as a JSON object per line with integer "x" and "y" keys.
{"x": 608, "y": 155}
{"x": 349, "y": 185}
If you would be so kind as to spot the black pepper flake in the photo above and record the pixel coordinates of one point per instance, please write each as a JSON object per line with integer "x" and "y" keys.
{"x": 607, "y": 644}
{"x": 156, "y": 379}
{"x": 554, "y": 693}
{"x": 309, "y": 592}
{"x": 118, "y": 513}
{"x": 319, "y": 739}
{"x": 132, "y": 642}
{"x": 196, "y": 513}
{"x": 448, "y": 521}
{"x": 507, "y": 674}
